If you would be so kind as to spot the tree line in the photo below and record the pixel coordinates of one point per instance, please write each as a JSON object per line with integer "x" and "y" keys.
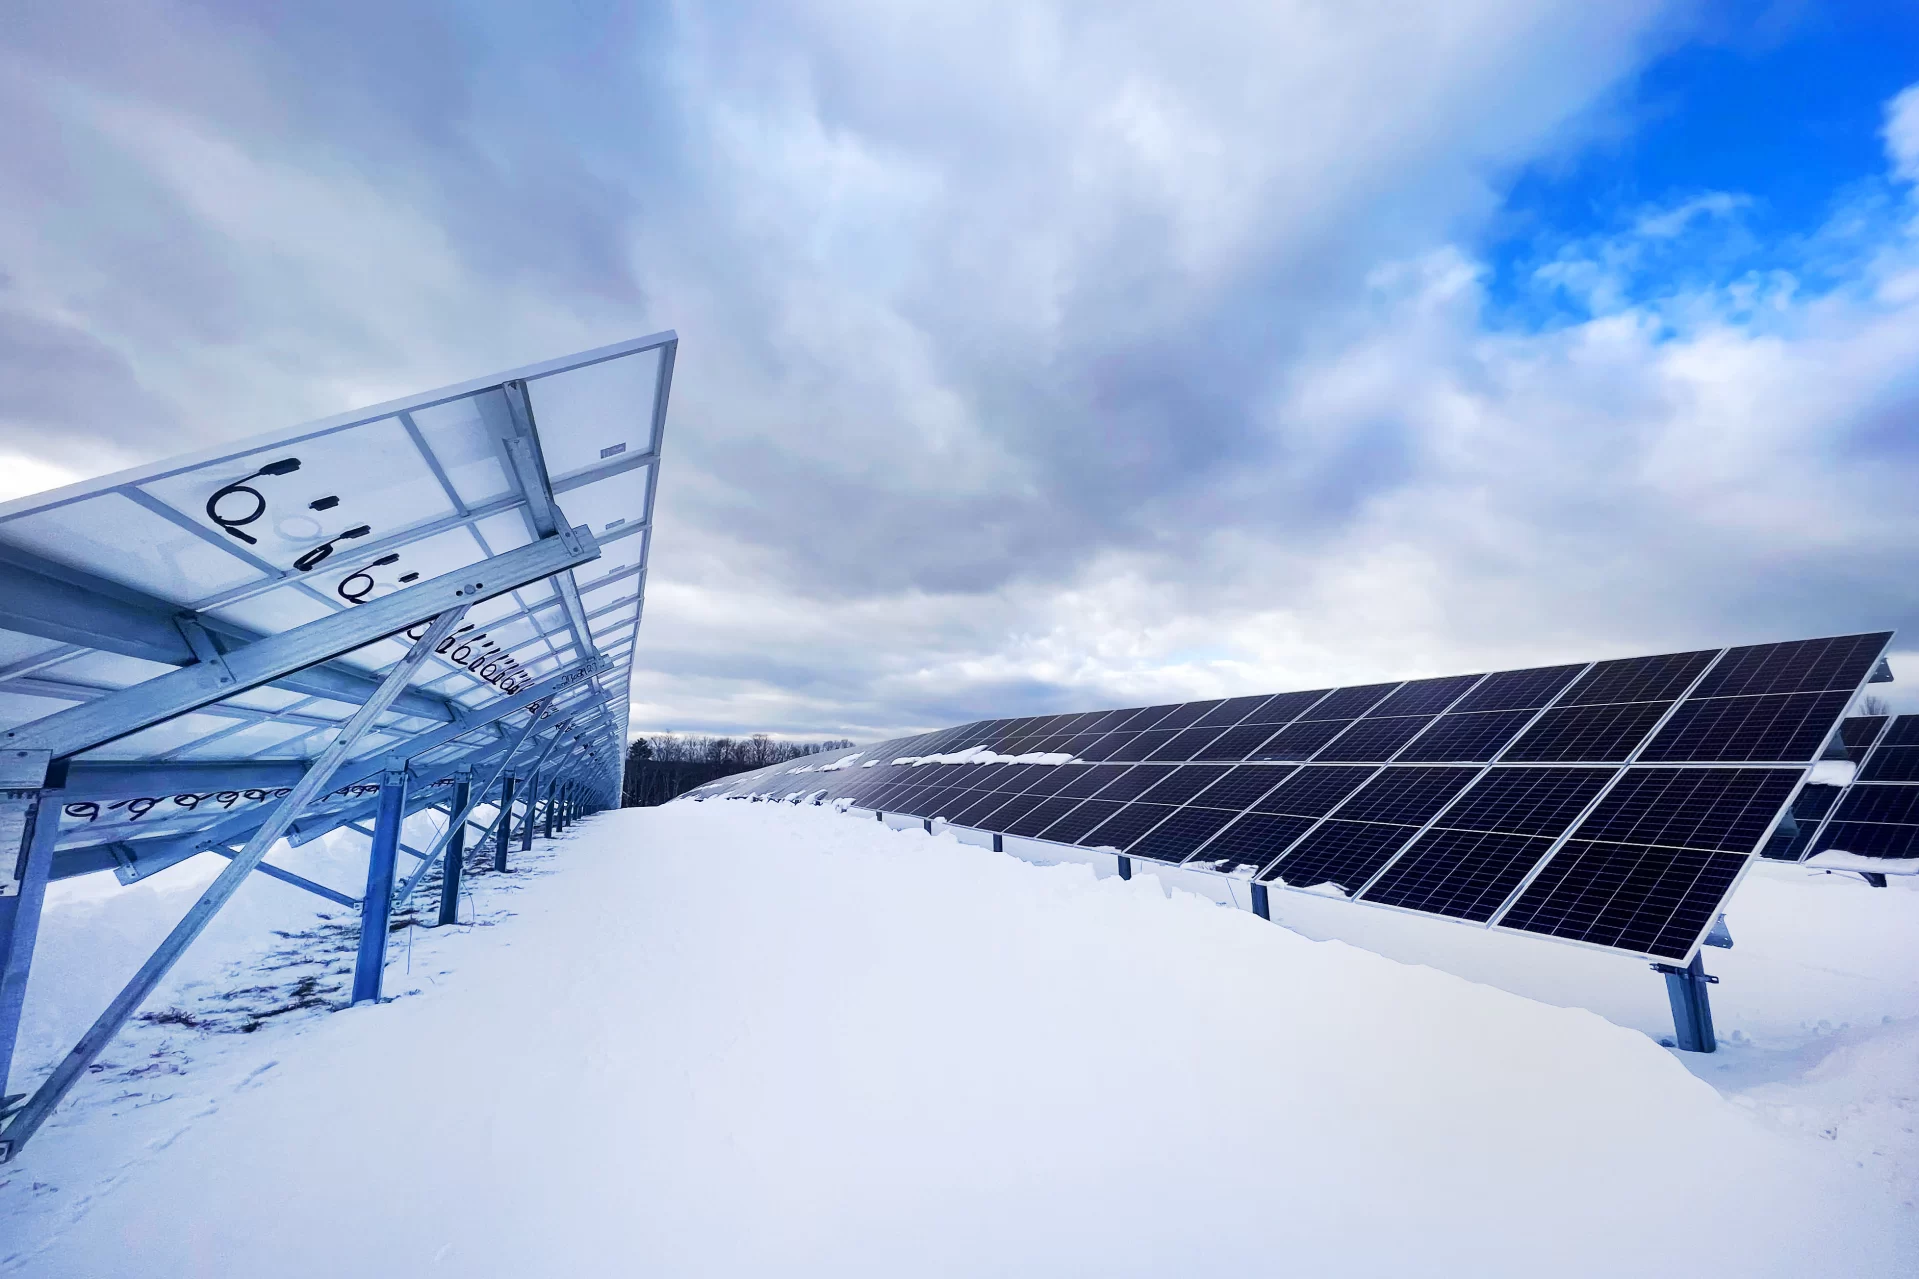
{"x": 662, "y": 765}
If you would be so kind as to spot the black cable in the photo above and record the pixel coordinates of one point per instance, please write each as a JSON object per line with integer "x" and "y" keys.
{"x": 285, "y": 466}
{"x": 315, "y": 555}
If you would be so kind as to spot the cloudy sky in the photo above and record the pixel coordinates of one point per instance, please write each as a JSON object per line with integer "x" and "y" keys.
{"x": 1040, "y": 356}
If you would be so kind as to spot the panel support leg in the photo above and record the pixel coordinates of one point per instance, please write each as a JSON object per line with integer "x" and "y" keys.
{"x": 547, "y": 811}
{"x": 532, "y": 810}
{"x": 1691, "y": 1012}
{"x": 1262, "y": 905}
{"x": 455, "y": 854}
{"x": 999, "y": 843}
{"x": 312, "y": 784}
{"x": 506, "y": 823}
{"x": 1125, "y": 868}
{"x": 30, "y": 823}
{"x": 376, "y": 908}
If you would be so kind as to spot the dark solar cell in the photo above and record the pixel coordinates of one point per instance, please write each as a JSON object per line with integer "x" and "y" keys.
{"x": 1051, "y": 743}
{"x": 1880, "y": 804}
{"x": 945, "y": 801}
{"x": 1052, "y": 781}
{"x": 1078, "y": 742}
{"x": 1182, "y": 784}
{"x": 1128, "y": 824}
{"x": 1079, "y": 723}
{"x": 1658, "y": 901}
{"x": 1251, "y": 842}
{"x": 1814, "y": 802}
{"x": 1041, "y": 815}
{"x": 1526, "y": 801}
{"x": 1892, "y": 764}
{"x": 1135, "y": 781}
{"x": 929, "y": 799}
{"x": 1464, "y": 874}
{"x": 973, "y": 813}
{"x": 1143, "y": 745}
{"x": 1349, "y": 703}
{"x": 1858, "y": 732}
{"x": 1188, "y": 744}
{"x": 1240, "y": 787}
{"x": 1187, "y": 715}
{"x": 1149, "y": 717}
{"x": 1299, "y": 740}
{"x": 1234, "y": 709}
{"x": 1312, "y": 791}
{"x": 1594, "y": 734}
{"x": 1374, "y": 739}
{"x": 1721, "y": 809}
{"x": 1090, "y": 781}
{"x": 1903, "y": 731}
{"x": 1283, "y": 708}
{"x": 1789, "y": 727}
{"x": 1425, "y": 696}
{"x": 1068, "y": 829}
{"x": 1236, "y": 744}
{"x": 1406, "y": 795}
{"x": 1343, "y": 853}
{"x": 1109, "y": 721}
{"x": 1174, "y": 839}
{"x": 1803, "y": 666}
{"x": 1518, "y": 690}
{"x": 1009, "y": 812}
{"x": 1870, "y": 839}
{"x": 1638, "y": 679}
{"x": 1018, "y": 745}
{"x": 1105, "y": 746}
{"x": 1478, "y": 736}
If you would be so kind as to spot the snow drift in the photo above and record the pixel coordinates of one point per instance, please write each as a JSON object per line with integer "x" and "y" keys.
{"x": 747, "y": 1039}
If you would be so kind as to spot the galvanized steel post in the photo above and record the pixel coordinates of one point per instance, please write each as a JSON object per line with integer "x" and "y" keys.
{"x": 376, "y": 908}
{"x": 455, "y": 858}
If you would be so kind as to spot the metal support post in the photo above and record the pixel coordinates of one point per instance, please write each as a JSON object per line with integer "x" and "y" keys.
{"x": 507, "y": 786}
{"x": 547, "y": 810}
{"x": 1262, "y": 906}
{"x": 1691, "y": 1013}
{"x": 27, "y": 850}
{"x": 1125, "y": 868}
{"x": 999, "y": 844}
{"x": 376, "y": 908}
{"x": 455, "y": 850}
{"x": 313, "y": 784}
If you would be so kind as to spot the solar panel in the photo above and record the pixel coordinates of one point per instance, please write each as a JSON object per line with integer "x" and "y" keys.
{"x": 1476, "y": 735}
{"x": 1374, "y": 739}
{"x": 1461, "y": 874}
{"x": 1611, "y": 803}
{"x": 1345, "y": 854}
{"x": 1604, "y": 733}
{"x": 1406, "y": 795}
{"x": 1656, "y": 901}
{"x": 382, "y": 612}
{"x": 1778, "y": 726}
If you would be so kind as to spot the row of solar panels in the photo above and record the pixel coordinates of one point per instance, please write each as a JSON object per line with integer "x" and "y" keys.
{"x": 1877, "y": 813}
{"x": 1612, "y": 803}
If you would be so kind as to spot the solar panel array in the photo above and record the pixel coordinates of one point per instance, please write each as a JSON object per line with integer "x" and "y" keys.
{"x": 1877, "y": 814}
{"x": 1611, "y": 804}
{"x": 111, "y": 583}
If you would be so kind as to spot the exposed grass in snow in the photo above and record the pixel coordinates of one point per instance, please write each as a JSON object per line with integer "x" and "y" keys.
{"x": 745, "y": 1039}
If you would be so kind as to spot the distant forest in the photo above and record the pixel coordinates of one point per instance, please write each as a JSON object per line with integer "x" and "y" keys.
{"x": 666, "y": 764}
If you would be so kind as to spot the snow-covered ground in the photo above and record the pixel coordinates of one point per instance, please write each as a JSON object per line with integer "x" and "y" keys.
{"x": 733, "y": 1038}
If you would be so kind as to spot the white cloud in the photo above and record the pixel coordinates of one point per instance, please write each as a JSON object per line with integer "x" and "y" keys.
{"x": 1902, "y": 133}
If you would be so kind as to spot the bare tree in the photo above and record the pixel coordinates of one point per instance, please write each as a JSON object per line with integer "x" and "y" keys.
{"x": 1872, "y": 704}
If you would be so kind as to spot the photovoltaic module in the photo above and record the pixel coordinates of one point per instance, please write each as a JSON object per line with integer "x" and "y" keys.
{"x": 1612, "y": 803}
